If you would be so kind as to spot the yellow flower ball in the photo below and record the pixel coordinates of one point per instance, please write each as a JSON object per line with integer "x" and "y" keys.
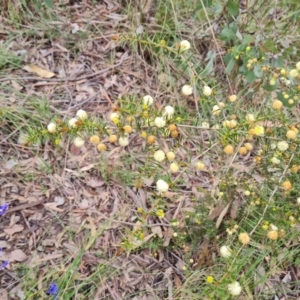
{"x": 277, "y": 104}
{"x": 244, "y": 238}
{"x": 232, "y": 98}
{"x": 112, "y": 138}
{"x": 101, "y": 147}
{"x": 232, "y": 124}
{"x": 200, "y": 166}
{"x": 286, "y": 185}
{"x": 170, "y": 155}
{"x": 127, "y": 128}
{"x": 273, "y": 235}
{"x": 174, "y": 168}
{"x": 209, "y": 279}
{"x": 172, "y": 127}
{"x": 295, "y": 168}
{"x": 229, "y": 149}
{"x": 151, "y": 139}
{"x": 259, "y": 130}
{"x": 94, "y": 139}
{"x": 295, "y": 129}
{"x": 144, "y": 134}
{"x": 248, "y": 146}
{"x": 174, "y": 133}
{"x": 291, "y": 134}
{"x": 243, "y": 150}
{"x": 160, "y": 213}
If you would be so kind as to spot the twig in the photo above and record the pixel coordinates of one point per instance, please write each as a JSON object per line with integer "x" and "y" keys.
{"x": 24, "y": 206}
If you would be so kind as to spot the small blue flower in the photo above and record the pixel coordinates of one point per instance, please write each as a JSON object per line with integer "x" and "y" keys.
{"x": 4, "y": 264}
{"x": 3, "y": 209}
{"x": 53, "y": 290}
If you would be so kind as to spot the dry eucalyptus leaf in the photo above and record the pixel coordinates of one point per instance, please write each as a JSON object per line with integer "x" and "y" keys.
{"x": 13, "y": 229}
{"x": 157, "y": 230}
{"x": 216, "y": 212}
{"x": 222, "y": 215}
{"x": 39, "y": 71}
{"x": 180, "y": 265}
{"x": 53, "y": 206}
{"x": 17, "y": 255}
{"x": 94, "y": 183}
{"x": 16, "y": 85}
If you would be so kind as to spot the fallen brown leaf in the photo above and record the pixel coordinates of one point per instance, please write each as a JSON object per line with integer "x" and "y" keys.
{"x": 222, "y": 215}
{"x": 216, "y": 212}
{"x": 13, "y": 229}
{"x": 17, "y": 255}
{"x": 39, "y": 71}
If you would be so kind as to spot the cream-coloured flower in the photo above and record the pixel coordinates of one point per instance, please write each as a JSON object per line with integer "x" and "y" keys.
{"x": 123, "y": 141}
{"x": 174, "y": 168}
{"x": 207, "y": 91}
{"x": 148, "y": 100}
{"x": 162, "y": 186}
{"x": 51, "y": 127}
{"x": 275, "y": 160}
{"x": 200, "y": 166}
{"x": 273, "y": 235}
{"x": 250, "y": 117}
{"x": 244, "y": 238}
{"x": 72, "y": 122}
{"x": 159, "y": 155}
{"x": 232, "y": 98}
{"x": 298, "y": 65}
{"x": 216, "y": 110}
{"x": 113, "y": 116}
{"x": 187, "y": 90}
{"x": 205, "y": 125}
{"x": 234, "y": 288}
{"x": 233, "y": 124}
{"x": 170, "y": 155}
{"x": 225, "y": 251}
{"x": 273, "y": 227}
{"x": 159, "y": 122}
{"x": 282, "y": 146}
{"x": 294, "y": 73}
{"x": 169, "y": 111}
{"x": 78, "y": 142}
{"x": 226, "y": 123}
{"x": 81, "y": 114}
{"x": 184, "y": 46}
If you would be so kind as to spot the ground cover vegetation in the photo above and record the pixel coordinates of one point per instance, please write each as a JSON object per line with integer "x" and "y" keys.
{"x": 149, "y": 149}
